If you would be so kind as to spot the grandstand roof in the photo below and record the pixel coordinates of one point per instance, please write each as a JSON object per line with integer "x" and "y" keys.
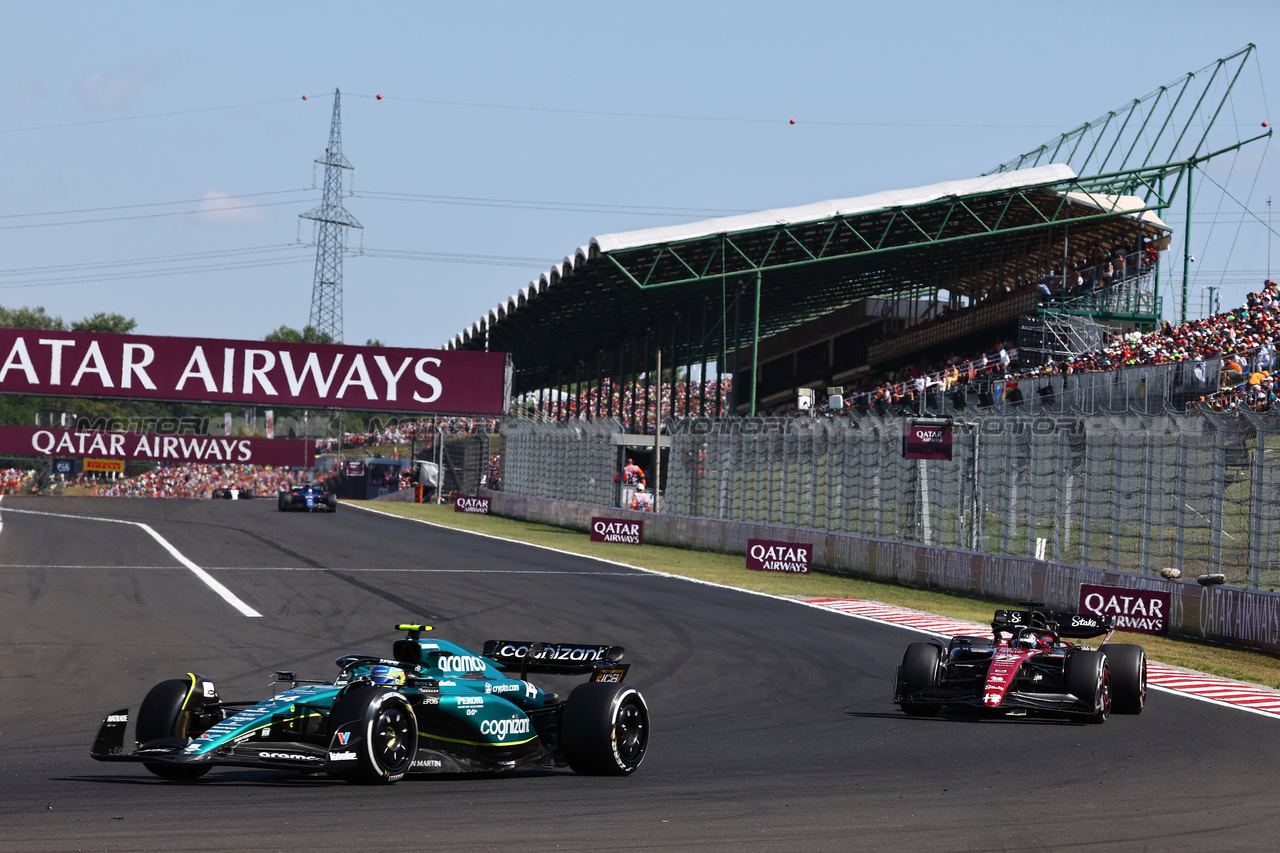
{"x": 676, "y": 285}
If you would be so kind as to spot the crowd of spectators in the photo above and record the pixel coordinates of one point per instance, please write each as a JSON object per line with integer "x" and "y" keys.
{"x": 1244, "y": 338}
{"x": 15, "y": 481}
{"x": 628, "y": 401}
{"x": 195, "y": 480}
{"x": 403, "y": 432}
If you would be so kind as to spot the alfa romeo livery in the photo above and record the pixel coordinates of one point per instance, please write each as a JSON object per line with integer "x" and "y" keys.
{"x": 432, "y": 707}
{"x": 1027, "y": 666}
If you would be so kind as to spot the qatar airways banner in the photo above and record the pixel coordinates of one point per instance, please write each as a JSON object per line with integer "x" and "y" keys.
{"x": 312, "y": 376}
{"x": 471, "y": 503}
{"x": 767, "y": 555}
{"x": 622, "y": 530}
{"x": 927, "y": 442}
{"x": 1143, "y": 611}
{"x": 167, "y": 448}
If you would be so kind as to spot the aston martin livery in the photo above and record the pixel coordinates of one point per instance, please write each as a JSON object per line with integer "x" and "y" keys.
{"x": 307, "y": 498}
{"x": 1028, "y": 666}
{"x": 432, "y": 707}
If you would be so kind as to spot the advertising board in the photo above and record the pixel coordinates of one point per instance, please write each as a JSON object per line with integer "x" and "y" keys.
{"x": 925, "y": 441}
{"x": 333, "y": 376}
{"x": 622, "y": 530}
{"x": 768, "y": 555}
{"x": 164, "y": 448}
{"x": 1143, "y": 611}
{"x": 470, "y": 503}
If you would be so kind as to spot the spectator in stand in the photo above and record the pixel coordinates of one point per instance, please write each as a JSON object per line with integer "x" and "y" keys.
{"x": 1263, "y": 359}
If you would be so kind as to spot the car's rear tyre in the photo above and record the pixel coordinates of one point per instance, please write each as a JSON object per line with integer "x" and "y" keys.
{"x": 331, "y": 501}
{"x": 604, "y": 730}
{"x": 167, "y": 713}
{"x": 388, "y": 734}
{"x": 1087, "y": 676}
{"x": 921, "y": 670}
{"x": 1128, "y": 677}
{"x": 282, "y": 502}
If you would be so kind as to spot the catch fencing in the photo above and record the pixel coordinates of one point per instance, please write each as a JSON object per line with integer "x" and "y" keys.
{"x": 1131, "y": 491}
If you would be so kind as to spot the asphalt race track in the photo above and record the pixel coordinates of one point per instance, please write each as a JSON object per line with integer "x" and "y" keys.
{"x": 772, "y": 722}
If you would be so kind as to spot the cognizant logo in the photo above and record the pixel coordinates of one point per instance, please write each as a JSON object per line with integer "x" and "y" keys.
{"x": 501, "y": 728}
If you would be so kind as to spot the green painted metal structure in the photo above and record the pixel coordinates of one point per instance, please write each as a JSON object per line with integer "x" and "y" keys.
{"x": 608, "y": 312}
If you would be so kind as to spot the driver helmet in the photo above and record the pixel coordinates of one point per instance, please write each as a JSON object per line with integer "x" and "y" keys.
{"x": 387, "y": 675}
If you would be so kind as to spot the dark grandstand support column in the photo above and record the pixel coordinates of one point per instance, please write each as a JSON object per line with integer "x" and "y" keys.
{"x": 675, "y": 365}
{"x": 627, "y": 398}
{"x": 577, "y": 389}
{"x": 689, "y": 360}
{"x": 648, "y": 379}
{"x": 599, "y": 403}
{"x": 702, "y": 368}
{"x": 755, "y": 345}
{"x": 737, "y": 348}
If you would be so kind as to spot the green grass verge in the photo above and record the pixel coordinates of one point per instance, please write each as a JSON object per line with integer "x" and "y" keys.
{"x": 1256, "y": 667}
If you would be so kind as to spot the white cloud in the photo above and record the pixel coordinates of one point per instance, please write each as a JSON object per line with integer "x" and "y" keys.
{"x": 217, "y": 206}
{"x": 106, "y": 90}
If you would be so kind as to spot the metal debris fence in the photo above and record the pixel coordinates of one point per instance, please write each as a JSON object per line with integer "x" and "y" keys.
{"x": 1127, "y": 491}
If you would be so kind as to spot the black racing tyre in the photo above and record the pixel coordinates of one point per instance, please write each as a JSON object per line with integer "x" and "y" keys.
{"x": 604, "y": 729}
{"x": 1087, "y": 675}
{"x": 1128, "y": 677}
{"x": 388, "y": 734}
{"x": 921, "y": 670}
{"x": 331, "y": 501}
{"x": 282, "y": 502}
{"x": 167, "y": 713}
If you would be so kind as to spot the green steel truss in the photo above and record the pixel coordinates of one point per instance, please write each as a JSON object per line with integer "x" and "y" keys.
{"x": 713, "y": 298}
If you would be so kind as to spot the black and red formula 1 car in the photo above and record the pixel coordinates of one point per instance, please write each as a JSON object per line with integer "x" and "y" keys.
{"x": 1028, "y": 665}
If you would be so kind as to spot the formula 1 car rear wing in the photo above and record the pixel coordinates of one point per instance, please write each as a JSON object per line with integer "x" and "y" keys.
{"x": 1075, "y": 626}
{"x": 553, "y": 658}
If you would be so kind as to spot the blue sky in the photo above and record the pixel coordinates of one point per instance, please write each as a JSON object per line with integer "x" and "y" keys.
{"x": 157, "y": 155}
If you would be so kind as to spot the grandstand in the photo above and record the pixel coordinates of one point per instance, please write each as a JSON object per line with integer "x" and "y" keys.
{"x": 844, "y": 292}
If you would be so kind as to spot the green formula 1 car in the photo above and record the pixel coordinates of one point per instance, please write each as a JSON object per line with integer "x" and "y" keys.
{"x": 433, "y": 707}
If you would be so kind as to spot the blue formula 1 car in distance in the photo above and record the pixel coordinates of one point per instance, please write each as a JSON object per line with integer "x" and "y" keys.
{"x": 433, "y": 707}
{"x": 308, "y": 498}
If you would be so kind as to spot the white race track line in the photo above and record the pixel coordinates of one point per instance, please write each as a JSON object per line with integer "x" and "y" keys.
{"x": 1252, "y": 698}
{"x": 208, "y": 579}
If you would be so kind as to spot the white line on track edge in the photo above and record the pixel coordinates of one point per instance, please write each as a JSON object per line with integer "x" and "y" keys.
{"x": 208, "y": 579}
{"x": 817, "y": 607}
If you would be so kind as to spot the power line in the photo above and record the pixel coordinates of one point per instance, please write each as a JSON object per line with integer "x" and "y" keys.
{"x": 145, "y": 204}
{"x": 212, "y": 211}
{"x": 532, "y": 204}
{"x": 142, "y": 117}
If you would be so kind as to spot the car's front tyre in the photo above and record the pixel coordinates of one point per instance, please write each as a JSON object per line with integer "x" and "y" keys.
{"x": 388, "y": 734}
{"x": 921, "y": 670}
{"x": 1087, "y": 676}
{"x": 172, "y": 709}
